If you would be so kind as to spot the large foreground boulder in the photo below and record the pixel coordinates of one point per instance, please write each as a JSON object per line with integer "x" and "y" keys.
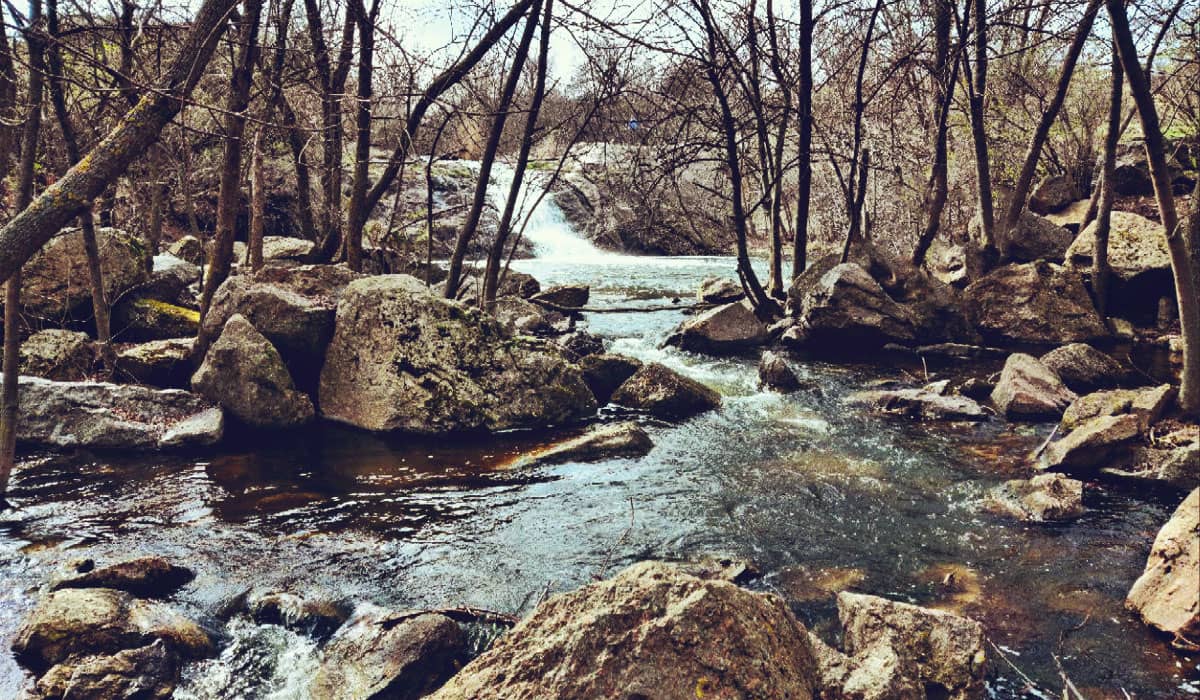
{"x": 404, "y": 359}
{"x": 1167, "y": 595}
{"x": 381, "y": 654}
{"x": 245, "y": 375}
{"x": 114, "y": 416}
{"x": 1029, "y": 390}
{"x": 665, "y": 393}
{"x": 845, "y": 307}
{"x": 61, "y": 355}
{"x": 651, "y": 632}
{"x": 1083, "y": 368}
{"x": 56, "y": 285}
{"x": 1037, "y": 302}
{"x": 724, "y": 329}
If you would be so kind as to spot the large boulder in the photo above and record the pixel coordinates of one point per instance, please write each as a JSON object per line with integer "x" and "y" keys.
{"x": 725, "y": 329}
{"x": 55, "y": 282}
{"x": 650, "y": 632}
{"x": 845, "y": 307}
{"x": 1083, "y": 368}
{"x": 149, "y": 673}
{"x": 627, "y": 439}
{"x": 381, "y": 654}
{"x": 920, "y": 404}
{"x": 162, "y": 363}
{"x": 943, "y": 652}
{"x": 140, "y": 318}
{"x": 1036, "y": 238}
{"x": 114, "y": 416}
{"x": 1045, "y": 497}
{"x": 1147, "y": 404}
{"x": 293, "y": 307}
{"x": 404, "y": 359}
{"x": 58, "y": 354}
{"x": 1091, "y": 444}
{"x": 1053, "y": 193}
{"x": 245, "y": 375}
{"x": 1029, "y": 390}
{"x": 1036, "y": 302}
{"x": 665, "y": 393}
{"x": 144, "y": 577}
{"x": 604, "y": 372}
{"x": 719, "y": 290}
{"x": 1167, "y": 595}
{"x": 571, "y": 296}
{"x": 281, "y": 248}
{"x": 1136, "y": 245}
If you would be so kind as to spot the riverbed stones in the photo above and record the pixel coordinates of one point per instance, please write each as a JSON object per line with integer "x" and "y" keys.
{"x": 1083, "y": 368}
{"x": 846, "y": 307}
{"x": 775, "y": 374}
{"x": 55, "y": 282}
{"x": 604, "y": 372}
{"x": 1038, "y": 302}
{"x": 570, "y": 296}
{"x": 58, "y": 354}
{"x": 937, "y": 649}
{"x": 382, "y": 654}
{"x": 406, "y": 360}
{"x": 161, "y": 363}
{"x": 722, "y": 330}
{"x": 664, "y": 393}
{"x": 245, "y": 375}
{"x": 653, "y": 632}
{"x": 100, "y": 415}
{"x": 1167, "y": 594}
{"x": 626, "y": 439}
{"x": 149, "y": 672}
{"x": 1092, "y": 443}
{"x": 1029, "y": 390}
{"x": 920, "y": 404}
{"x": 1044, "y": 498}
{"x": 144, "y": 577}
{"x": 719, "y": 290}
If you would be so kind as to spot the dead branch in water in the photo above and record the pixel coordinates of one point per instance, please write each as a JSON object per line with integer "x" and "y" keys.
{"x": 464, "y": 614}
{"x": 698, "y": 306}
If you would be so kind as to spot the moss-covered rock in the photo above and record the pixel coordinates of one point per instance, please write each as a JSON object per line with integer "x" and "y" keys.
{"x": 58, "y": 354}
{"x": 143, "y": 318}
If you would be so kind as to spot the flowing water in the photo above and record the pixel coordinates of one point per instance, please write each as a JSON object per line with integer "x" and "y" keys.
{"x": 821, "y": 497}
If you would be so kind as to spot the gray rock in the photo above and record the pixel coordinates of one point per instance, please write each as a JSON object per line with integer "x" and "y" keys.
{"x": 1147, "y": 404}
{"x": 171, "y": 280}
{"x": 920, "y": 404}
{"x": 56, "y": 284}
{"x": 1028, "y": 390}
{"x": 279, "y": 248}
{"x": 188, "y": 248}
{"x": 319, "y": 617}
{"x": 564, "y": 295}
{"x": 58, "y": 354}
{"x": 144, "y": 577}
{"x": 719, "y": 290}
{"x": 138, "y": 319}
{"x": 245, "y": 375}
{"x": 775, "y": 374}
{"x": 114, "y": 416}
{"x": 1053, "y": 193}
{"x": 604, "y": 372}
{"x": 1084, "y": 368}
{"x": 1045, "y": 497}
{"x": 1167, "y": 594}
{"x": 150, "y": 672}
{"x": 1033, "y": 303}
{"x": 725, "y": 329}
{"x": 404, "y": 359}
{"x": 665, "y": 393}
{"x": 1091, "y": 444}
{"x": 1174, "y": 466}
{"x": 519, "y": 284}
{"x": 1036, "y": 238}
{"x": 166, "y": 364}
{"x": 1136, "y": 245}
{"x": 601, "y": 442}
{"x": 845, "y": 307}
{"x": 522, "y": 317}
{"x": 580, "y": 344}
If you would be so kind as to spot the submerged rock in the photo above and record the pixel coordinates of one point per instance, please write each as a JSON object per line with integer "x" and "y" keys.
{"x": 1045, "y": 497}
{"x": 653, "y": 632}
{"x": 775, "y": 374}
{"x": 114, "y": 416}
{"x": 380, "y": 654}
{"x": 1167, "y": 595}
{"x": 319, "y": 617}
{"x": 56, "y": 284}
{"x": 61, "y": 355}
{"x": 245, "y": 375}
{"x": 1037, "y": 302}
{"x": 665, "y": 393}
{"x": 719, "y": 290}
{"x": 145, "y": 577}
{"x": 404, "y": 359}
{"x": 1092, "y": 443}
{"x": 626, "y": 439}
{"x": 725, "y": 329}
{"x": 1028, "y": 390}
{"x": 921, "y": 404}
{"x": 604, "y": 372}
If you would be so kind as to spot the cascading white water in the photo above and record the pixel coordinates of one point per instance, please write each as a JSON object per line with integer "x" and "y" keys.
{"x": 552, "y": 235}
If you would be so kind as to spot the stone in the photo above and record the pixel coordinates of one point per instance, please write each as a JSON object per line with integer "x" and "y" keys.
{"x": 150, "y": 672}
{"x": 937, "y": 649}
{"x": 144, "y": 577}
{"x": 188, "y": 248}
{"x": 1053, "y": 193}
{"x": 650, "y": 632}
{"x": 1136, "y": 245}
{"x": 570, "y": 296}
{"x": 1083, "y": 368}
{"x": 1037, "y": 302}
{"x": 775, "y": 374}
{"x": 1035, "y": 238}
{"x": 1167, "y": 594}
{"x": 665, "y": 393}
{"x": 579, "y": 344}
{"x": 920, "y": 404}
{"x": 379, "y": 654}
{"x": 846, "y": 307}
{"x": 58, "y": 354}
{"x": 1131, "y": 178}
{"x": 1091, "y": 444}
{"x": 518, "y": 284}
{"x": 139, "y": 319}
{"x": 977, "y": 388}
{"x": 1028, "y": 390}
{"x": 1071, "y": 216}
{"x": 627, "y": 439}
{"x": 722, "y": 330}
{"x": 166, "y": 364}
{"x": 280, "y": 248}
{"x": 55, "y": 282}
{"x": 604, "y": 372}
{"x": 719, "y": 290}
{"x": 1177, "y": 467}
{"x": 93, "y": 621}
{"x": 1147, "y": 404}
{"x": 99, "y": 415}
{"x": 244, "y": 374}
{"x": 171, "y": 280}
{"x": 318, "y": 617}
{"x": 1044, "y": 498}
{"x": 404, "y": 359}
{"x": 522, "y": 317}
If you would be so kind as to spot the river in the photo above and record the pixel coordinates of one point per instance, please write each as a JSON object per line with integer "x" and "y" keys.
{"x": 819, "y": 496}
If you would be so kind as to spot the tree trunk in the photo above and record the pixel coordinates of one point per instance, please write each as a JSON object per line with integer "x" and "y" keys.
{"x": 1182, "y": 244}
{"x": 946, "y": 76}
{"x": 977, "y": 85}
{"x": 471, "y": 225}
{"x": 1101, "y": 273}
{"x": 258, "y": 205}
{"x": 356, "y": 215}
{"x": 804, "y": 150}
{"x": 230, "y": 193}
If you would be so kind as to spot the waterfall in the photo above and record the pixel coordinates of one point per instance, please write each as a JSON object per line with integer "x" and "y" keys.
{"x": 551, "y": 234}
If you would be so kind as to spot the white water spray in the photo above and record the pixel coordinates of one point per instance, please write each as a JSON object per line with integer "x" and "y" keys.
{"x": 552, "y": 235}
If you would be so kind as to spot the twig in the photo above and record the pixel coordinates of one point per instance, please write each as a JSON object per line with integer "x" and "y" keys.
{"x": 1042, "y": 448}
{"x": 1029, "y": 681}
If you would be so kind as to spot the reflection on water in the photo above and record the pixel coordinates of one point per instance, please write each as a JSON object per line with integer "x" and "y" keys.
{"x": 820, "y": 497}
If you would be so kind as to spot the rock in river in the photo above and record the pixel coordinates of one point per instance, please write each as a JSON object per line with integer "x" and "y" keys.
{"x": 1092, "y": 443}
{"x": 404, "y": 359}
{"x": 145, "y": 577}
{"x": 1084, "y": 368}
{"x": 725, "y": 329}
{"x": 719, "y": 290}
{"x": 846, "y": 307}
{"x": 1167, "y": 595}
{"x": 920, "y": 404}
{"x": 650, "y": 632}
{"x": 665, "y": 393}
{"x": 604, "y": 372}
{"x": 626, "y": 439}
{"x": 775, "y": 374}
{"x": 1043, "y": 498}
{"x": 1036, "y": 302}
{"x": 1029, "y": 390}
